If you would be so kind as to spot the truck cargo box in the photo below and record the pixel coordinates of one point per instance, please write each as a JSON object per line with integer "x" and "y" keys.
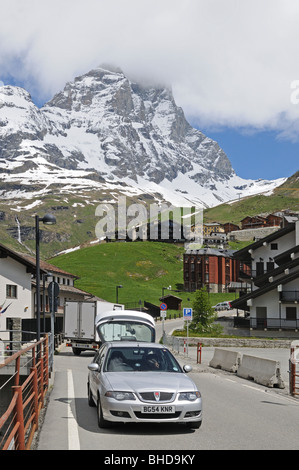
{"x": 79, "y": 323}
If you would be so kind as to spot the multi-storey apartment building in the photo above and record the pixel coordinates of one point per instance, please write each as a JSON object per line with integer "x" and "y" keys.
{"x": 274, "y": 264}
{"x": 213, "y": 268}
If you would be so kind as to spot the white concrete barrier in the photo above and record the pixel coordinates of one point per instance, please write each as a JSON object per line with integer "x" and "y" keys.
{"x": 226, "y": 360}
{"x": 263, "y": 371}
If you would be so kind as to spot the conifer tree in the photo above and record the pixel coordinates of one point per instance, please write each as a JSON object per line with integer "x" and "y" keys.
{"x": 203, "y": 314}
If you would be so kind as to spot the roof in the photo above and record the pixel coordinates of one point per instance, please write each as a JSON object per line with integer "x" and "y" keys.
{"x": 266, "y": 288}
{"x": 208, "y": 224}
{"x": 211, "y": 252}
{"x": 286, "y": 255}
{"x": 258, "y": 217}
{"x": 29, "y": 262}
{"x": 244, "y": 252}
{"x": 72, "y": 290}
{"x": 134, "y": 344}
{"x": 47, "y": 267}
{"x": 170, "y": 295}
{"x": 260, "y": 280}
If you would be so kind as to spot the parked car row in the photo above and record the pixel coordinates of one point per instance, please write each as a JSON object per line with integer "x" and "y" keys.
{"x": 141, "y": 382}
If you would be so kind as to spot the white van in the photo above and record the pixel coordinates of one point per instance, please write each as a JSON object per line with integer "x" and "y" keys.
{"x": 125, "y": 325}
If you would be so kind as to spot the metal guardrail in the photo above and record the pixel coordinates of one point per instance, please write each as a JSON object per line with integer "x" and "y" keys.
{"x": 20, "y": 420}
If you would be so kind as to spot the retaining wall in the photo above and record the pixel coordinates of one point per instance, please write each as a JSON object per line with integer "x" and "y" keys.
{"x": 241, "y": 342}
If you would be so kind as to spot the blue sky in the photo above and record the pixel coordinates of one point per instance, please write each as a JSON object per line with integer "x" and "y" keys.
{"x": 231, "y": 64}
{"x": 259, "y": 155}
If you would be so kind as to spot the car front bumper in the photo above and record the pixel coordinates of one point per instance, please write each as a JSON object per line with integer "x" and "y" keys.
{"x": 149, "y": 412}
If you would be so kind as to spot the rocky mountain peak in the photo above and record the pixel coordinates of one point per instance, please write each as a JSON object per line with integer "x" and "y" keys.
{"x": 104, "y": 127}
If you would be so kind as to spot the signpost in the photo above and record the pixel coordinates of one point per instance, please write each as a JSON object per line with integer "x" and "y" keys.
{"x": 163, "y": 314}
{"x": 187, "y": 314}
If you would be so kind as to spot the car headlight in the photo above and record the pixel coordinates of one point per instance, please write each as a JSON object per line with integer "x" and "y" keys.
{"x": 120, "y": 396}
{"x": 190, "y": 396}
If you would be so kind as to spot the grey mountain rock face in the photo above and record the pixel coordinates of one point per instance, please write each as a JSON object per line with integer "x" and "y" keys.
{"x": 103, "y": 127}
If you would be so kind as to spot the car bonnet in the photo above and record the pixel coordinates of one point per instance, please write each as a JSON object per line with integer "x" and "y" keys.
{"x": 145, "y": 381}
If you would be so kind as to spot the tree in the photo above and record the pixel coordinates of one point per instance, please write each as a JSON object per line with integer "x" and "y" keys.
{"x": 203, "y": 314}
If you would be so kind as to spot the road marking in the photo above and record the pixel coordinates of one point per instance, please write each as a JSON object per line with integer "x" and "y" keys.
{"x": 271, "y": 393}
{"x": 73, "y": 435}
{"x": 254, "y": 388}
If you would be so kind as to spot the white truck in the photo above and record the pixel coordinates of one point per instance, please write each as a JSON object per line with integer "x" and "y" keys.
{"x": 79, "y": 323}
{"x": 89, "y": 324}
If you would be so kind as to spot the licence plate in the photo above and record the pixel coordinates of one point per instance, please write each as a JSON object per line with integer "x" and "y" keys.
{"x": 82, "y": 346}
{"x": 158, "y": 409}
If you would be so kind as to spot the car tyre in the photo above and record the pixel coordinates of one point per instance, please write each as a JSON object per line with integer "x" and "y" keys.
{"x": 90, "y": 399}
{"x": 102, "y": 423}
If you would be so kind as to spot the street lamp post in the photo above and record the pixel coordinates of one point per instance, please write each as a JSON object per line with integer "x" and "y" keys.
{"x": 117, "y": 287}
{"x": 48, "y": 219}
{"x": 165, "y": 288}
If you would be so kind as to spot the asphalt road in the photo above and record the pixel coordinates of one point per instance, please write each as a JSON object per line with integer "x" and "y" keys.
{"x": 237, "y": 415}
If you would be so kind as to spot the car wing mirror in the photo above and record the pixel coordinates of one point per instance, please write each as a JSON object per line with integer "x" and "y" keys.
{"x": 93, "y": 367}
{"x": 187, "y": 368}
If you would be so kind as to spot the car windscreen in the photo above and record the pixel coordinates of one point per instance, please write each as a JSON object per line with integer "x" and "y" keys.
{"x": 135, "y": 358}
{"x": 126, "y": 330}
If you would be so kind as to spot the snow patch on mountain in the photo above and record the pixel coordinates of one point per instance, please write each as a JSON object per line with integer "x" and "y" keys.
{"x": 105, "y": 132}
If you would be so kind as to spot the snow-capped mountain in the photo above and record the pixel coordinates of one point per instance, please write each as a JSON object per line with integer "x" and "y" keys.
{"x": 104, "y": 131}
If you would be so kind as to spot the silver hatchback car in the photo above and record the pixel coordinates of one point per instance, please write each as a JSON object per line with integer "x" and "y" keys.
{"x": 144, "y": 383}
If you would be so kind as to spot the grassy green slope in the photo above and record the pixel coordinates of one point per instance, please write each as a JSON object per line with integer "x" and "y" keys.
{"x": 142, "y": 268}
{"x": 283, "y": 198}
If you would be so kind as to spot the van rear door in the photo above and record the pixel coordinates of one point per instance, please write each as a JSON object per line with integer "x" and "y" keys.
{"x": 125, "y": 325}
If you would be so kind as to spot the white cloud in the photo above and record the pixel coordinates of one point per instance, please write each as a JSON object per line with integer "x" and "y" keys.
{"x": 230, "y": 62}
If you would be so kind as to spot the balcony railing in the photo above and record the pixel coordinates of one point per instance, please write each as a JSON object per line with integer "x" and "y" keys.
{"x": 244, "y": 274}
{"x": 289, "y": 296}
{"x": 253, "y": 273}
{"x": 266, "y": 323}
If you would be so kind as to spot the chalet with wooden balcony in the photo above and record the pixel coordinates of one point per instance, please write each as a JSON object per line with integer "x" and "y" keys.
{"x": 259, "y": 221}
{"x": 230, "y": 227}
{"x": 274, "y": 265}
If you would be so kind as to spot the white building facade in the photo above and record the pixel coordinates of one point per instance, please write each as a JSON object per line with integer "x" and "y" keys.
{"x": 18, "y": 288}
{"x": 274, "y": 299}
{"x": 15, "y": 287}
